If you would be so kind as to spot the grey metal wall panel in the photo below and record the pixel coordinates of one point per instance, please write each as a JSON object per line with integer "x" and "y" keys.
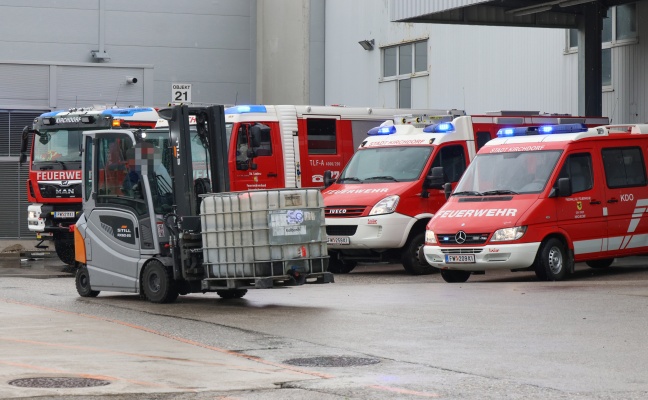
{"x": 401, "y": 9}
{"x": 24, "y": 83}
{"x": 79, "y": 86}
{"x": 214, "y": 7}
{"x": 14, "y": 200}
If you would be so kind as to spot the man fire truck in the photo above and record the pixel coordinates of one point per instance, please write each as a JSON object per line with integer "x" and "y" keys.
{"x": 54, "y": 183}
{"x": 378, "y": 208}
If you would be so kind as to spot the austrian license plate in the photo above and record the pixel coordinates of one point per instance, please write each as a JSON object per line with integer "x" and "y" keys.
{"x": 338, "y": 240}
{"x": 459, "y": 258}
{"x": 63, "y": 214}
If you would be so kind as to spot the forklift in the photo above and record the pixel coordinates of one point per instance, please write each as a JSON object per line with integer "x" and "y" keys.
{"x": 158, "y": 218}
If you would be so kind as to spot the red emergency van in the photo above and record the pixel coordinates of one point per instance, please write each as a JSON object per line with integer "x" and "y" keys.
{"x": 543, "y": 199}
{"x": 378, "y": 208}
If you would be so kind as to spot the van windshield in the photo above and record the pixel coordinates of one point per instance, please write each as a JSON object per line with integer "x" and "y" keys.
{"x": 386, "y": 164}
{"x": 508, "y": 173}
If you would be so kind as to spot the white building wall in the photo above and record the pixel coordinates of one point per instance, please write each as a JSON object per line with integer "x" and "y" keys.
{"x": 476, "y": 68}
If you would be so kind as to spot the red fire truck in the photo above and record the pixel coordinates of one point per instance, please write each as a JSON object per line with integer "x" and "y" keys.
{"x": 378, "y": 208}
{"x": 277, "y": 146}
{"x": 54, "y": 184}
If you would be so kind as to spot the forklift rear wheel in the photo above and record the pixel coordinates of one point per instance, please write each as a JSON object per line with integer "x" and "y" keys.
{"x": 65, "y": 251}
{"x": 232, "y": 294}
{"x": 83, "y": 283}
{"x": 159, "y": 286}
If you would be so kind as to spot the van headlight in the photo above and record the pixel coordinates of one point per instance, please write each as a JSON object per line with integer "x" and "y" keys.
{"x": 385, "y": 206}
{"x": 430, "y": 237}
{"x": 508, "y": 234}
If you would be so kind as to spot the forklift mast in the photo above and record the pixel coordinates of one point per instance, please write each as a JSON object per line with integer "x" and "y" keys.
{"x": 210, "y": 126}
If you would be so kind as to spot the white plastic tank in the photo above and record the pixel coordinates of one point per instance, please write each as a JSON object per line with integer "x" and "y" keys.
{"x": 263, "y": 233}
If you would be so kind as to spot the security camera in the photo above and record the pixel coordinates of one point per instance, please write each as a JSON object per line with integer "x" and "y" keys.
{"x": 130, "y": 79}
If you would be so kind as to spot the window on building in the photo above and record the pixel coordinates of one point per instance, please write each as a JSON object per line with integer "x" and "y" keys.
{"x": 402, "y": 63}
{"x": 619, "y": 28}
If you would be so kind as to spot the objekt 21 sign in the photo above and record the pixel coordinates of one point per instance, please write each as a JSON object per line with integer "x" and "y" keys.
{"x": 181, "y": 92}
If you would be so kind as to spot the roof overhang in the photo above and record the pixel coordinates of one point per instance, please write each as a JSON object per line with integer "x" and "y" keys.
{"x": 524, "y": 13}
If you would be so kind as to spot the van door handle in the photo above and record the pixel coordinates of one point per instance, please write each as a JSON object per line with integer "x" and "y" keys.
{"x": 613, "y": 200}
{"x": 272, "y": 175}
{"x": 595, "y": 202}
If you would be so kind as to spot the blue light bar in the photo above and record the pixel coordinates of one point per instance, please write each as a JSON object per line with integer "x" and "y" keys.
{"x": 244, "y": 109}
{"x": 541, "y": 130}
{"x": 564, "y": 128}
{"x": 382, "y": 130}
{"x": 443, "y": 127}
{"x": 125, "y": 112}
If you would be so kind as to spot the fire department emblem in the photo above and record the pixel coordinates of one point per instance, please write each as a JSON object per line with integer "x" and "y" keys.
{"x": 579, "y": 205}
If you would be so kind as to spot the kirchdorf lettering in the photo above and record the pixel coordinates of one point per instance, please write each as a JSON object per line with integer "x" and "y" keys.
{"x": 58, "y": 175}
{"x": 68, "y": 120}
{"x": 487, "y": 212}
{"x": 357, "y": 191}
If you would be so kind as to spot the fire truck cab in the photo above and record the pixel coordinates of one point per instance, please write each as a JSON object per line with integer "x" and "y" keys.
{"x": 378, "y": 208}
{"x": 543, "y": 199}
{"x": 53, "y": 145}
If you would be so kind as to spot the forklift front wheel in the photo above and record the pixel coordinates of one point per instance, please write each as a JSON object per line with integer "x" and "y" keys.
{"x": 158, "y": 285}
{"x": 82, "y": 279}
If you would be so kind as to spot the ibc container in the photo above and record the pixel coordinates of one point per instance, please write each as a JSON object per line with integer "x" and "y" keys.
{"x": 263, "y": 233}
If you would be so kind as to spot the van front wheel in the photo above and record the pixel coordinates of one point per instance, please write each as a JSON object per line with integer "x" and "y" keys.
{"x": 410, "y": 257}
{"x": 552, "y": 263}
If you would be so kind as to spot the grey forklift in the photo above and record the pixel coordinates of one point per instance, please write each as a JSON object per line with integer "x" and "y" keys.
{"x": 158, "y": 218}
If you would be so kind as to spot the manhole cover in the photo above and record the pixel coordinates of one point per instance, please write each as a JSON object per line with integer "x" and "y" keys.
{"x": 58, "y": 382}
{"x": 334, "y": 361}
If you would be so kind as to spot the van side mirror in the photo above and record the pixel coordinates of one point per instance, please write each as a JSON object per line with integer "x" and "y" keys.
{"x": 436, "y": 179}
{"x": 447, "y": 189}
{"x": 328, "y": 178}
{"x": 563, "y": 189}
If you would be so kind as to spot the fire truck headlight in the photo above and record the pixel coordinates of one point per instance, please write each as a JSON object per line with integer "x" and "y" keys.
{"x": 430, "y": 238}
{"x": 385, "y": 206}
{"x": 32, "y": 215}
{"x": 508, "y": 234}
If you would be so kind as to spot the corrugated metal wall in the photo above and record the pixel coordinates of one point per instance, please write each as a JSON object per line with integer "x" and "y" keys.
{"x": 13, "y": 198}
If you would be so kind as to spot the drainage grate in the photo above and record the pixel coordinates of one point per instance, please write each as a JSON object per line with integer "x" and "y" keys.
{"x": 58, "y": 382}
{"x": 333, "y": 361}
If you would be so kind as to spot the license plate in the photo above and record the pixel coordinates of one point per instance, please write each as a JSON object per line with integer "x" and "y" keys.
{"x": 63, "y": 214}
{"x": 459, "y": 258}
{"x": 338, "y": 240}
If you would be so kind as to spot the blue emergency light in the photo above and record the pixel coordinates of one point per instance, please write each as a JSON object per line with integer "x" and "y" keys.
{"x": 541, "y": 130}
{"x": 244, "y": 109}
{"x": 382, "y": 130}
{"x": 125, "y": 112}
{"x": 443, "y": 127}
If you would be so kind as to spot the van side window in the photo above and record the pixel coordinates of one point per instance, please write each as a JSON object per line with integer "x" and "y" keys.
{"x": 453, "y": 161}
{"x": 482, "y": 138}
{"x": 321, "y": 136}
{"x": 624, "y": 167}
{"x": 578, "y": 167}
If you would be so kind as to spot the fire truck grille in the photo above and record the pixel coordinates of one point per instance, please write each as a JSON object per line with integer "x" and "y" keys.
{"x": 341, "y": 230}
{"x": 468, "y": 238}
{"x": 461, "y": 251}
{"x": 53, "y": 191}
{"x": 344, "y": 211}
